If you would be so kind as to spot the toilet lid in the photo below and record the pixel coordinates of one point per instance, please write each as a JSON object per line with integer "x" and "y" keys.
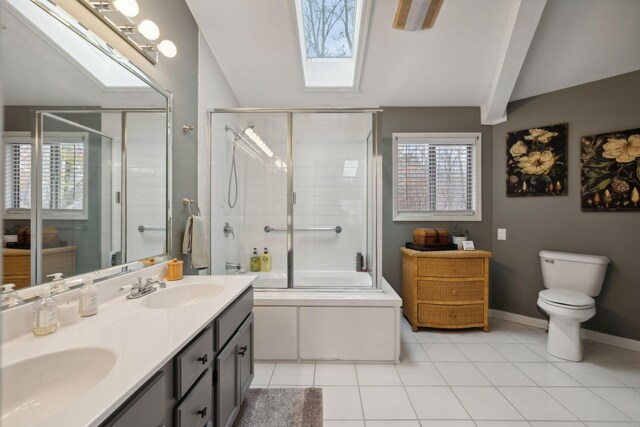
{"x": 567, "y": 297}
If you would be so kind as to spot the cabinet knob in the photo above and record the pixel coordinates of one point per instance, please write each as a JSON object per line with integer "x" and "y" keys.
{"x": 453, "y": 292}
{"x": 243, "y": 350}
{"x": 203, "y": 412}
{"x": 453, "y": 315}
{"x": 203, "y": 359}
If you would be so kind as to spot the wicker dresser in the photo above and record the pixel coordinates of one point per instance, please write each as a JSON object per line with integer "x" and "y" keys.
{"x": 446, "y": 289}
{"x": 17, "y": 264}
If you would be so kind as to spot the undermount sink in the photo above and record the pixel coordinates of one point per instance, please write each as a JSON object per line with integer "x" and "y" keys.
{"x": 182, "y": 296}
{"x": 34, "y": 389}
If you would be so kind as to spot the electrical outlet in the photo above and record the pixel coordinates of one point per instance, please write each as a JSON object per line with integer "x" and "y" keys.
{"x": 502, "y": 234}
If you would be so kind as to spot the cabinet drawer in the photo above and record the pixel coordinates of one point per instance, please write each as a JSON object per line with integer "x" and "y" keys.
{"x": 230, "y": 320}
{"x": 450, "y": 267}
{"x": 192, "y": 361}
{"x": 450, "y": 314}
{"x": 434, "y": 290}
{"x": 196, "y": 408}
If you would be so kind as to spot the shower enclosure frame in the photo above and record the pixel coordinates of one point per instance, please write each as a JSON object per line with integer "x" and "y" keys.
{"x": 376, "y": 204}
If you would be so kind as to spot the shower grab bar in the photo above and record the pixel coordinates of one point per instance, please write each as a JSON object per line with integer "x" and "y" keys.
{"x": 336, "y": 229}
{"x": 142, "y": 228}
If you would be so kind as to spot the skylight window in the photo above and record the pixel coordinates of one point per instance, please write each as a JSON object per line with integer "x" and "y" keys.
{"x": 331, "y": 37}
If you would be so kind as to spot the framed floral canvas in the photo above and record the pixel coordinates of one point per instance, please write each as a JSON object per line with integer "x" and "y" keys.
{"x": 610, "y": 171}
{"x": 537, "y": 161}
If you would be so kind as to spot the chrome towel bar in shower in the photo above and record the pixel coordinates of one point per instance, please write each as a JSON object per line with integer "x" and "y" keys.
{"x": 142, "y": 228}
{"x": 337, "y": 229}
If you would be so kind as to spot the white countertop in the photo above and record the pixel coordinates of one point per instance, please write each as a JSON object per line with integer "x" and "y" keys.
{"x": 142, "y": 339}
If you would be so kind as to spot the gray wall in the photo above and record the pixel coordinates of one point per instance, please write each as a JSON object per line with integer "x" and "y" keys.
{"x": 436, "y": 119}
{"x": 557, "y": 223}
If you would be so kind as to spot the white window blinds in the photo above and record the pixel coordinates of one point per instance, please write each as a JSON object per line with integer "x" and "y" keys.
{"x": 436, "y": 176}
{"x": 63, "y": 174}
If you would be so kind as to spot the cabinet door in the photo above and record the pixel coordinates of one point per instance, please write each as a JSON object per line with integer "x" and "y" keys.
{"x": 227, "y": 389}
{"x": 145, "y": 408}
{"x": 246, "y": 355}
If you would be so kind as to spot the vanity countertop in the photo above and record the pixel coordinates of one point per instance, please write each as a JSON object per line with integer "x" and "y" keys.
{"x": 142, "y": 339}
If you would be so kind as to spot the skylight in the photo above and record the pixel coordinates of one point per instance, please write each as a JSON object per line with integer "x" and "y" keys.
{"x": 330, "y": 33}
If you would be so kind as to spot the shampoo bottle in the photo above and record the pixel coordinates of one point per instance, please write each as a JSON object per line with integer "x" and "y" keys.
{"x": 254, "y": 262}
{"x": 265, "y": 261}
{"x": 45, "y": 318}
{"x": 88, "y": 298}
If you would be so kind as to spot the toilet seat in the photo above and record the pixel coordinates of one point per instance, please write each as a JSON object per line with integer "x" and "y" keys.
{"x": 566, "y": 298}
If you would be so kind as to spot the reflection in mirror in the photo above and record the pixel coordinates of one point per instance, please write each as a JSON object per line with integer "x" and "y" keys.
{"x": 85, "y": 151}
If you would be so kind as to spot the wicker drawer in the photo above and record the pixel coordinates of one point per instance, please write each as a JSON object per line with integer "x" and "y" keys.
{"x": 451, "y": 267}
{"x": 447, "y": 315}
{"x": 434, "y": 290}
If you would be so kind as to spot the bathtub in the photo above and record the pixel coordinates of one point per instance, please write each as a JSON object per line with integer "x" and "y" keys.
{"x": 355, "y": 324}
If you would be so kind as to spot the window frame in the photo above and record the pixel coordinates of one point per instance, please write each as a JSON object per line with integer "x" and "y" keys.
{"x": 11, "y": 138}
{"x": 440, "y": 137}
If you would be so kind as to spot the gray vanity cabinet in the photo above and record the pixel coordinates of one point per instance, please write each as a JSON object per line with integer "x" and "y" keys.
{"x": 142, "y": 409}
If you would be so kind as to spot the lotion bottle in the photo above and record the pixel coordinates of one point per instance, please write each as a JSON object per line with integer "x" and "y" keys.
{"x": 45, "y": 316}
{"x": 265, "y": 261}
{"x": 88, "y": 299}
{"x": 254, "y": 261}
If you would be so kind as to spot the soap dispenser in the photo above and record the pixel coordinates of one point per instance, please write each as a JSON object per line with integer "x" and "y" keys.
{"x": 88, "y": 298}
{"x": 45, "y": 319}
{"x": 57, "y": 284}
{"x": 254, "y": 261}
{"x": 9, "y": 296}
{"x": 265, "y": 261}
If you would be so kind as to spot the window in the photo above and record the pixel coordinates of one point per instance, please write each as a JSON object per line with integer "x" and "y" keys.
{"x": 332, "y": 35}
{"x": 63, "y": 176}
{"x": 436, "y": 176}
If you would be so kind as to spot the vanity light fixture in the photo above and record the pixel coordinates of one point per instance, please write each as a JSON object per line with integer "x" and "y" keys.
{"x": 257, "y": 140}
{"x": 118, "y": 14}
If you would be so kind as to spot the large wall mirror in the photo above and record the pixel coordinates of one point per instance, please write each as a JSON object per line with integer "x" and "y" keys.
{"x": 86, "y": 152}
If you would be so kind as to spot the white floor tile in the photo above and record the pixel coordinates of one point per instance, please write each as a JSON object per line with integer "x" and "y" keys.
{"x": 494, "y": 423}
{"x": 432, "y": 337}
{"x": 589, "y": 374}
{"x": 408, "y": 336}
{"x": 534, "y": 404}
{"x": 528, "y": 336}
{"x": 419, "y": 373}
{"x": 466, "y": 337}
{"x": 625, "y": 399}
{"x": 541, "y": 350}
{"x": 611, "y": 424}
{"x": 343, "y": 423}
{"x": 335, "y": 374}
{"x": 461, "y": 374}
{"x": 623, "y": 372}
{"x": 557, "y": 424}
{"x": 341, "y": 403}
{"x": 444, "y": 353}
{"x": 546, "y": 375}
{"x": 390, "y": 423}
{"x": 503, "y": 374}
{"x": 377, "y": 374}
{"x": 585, "y": 405}
{"x": 517, "y": 353}
{"x": 480, "y": 353}
{"x": 437, "y": 403}
{"x": 413, "y": 352}
{"x": 293, "y": 374}
{"x": 262, "y": 373}
{"x": 497, "y": 337}
{"x": 447, "y": 423}
{"x": 625, "y": 355}
{"x": 486, "y": 403}
{"x": 599, "y": 353}
{"x": 386, "y": 403}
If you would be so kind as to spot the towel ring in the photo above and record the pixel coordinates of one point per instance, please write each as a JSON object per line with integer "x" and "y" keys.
{"x": 188, "y": 202}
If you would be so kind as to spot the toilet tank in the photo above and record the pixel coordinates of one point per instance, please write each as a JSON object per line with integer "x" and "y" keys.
{"x": 578, "y": 272}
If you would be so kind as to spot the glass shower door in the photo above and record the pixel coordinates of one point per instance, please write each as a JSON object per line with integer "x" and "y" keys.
{"x": 332, "y": 190}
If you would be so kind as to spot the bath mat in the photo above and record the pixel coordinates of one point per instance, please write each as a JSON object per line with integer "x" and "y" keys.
{"x": 281, "y": 407}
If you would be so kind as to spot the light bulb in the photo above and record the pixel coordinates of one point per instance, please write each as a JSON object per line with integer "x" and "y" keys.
{"x": 167, "y": 48}
{"x": 128, "y": 8}
{"x": 149, "y": 29}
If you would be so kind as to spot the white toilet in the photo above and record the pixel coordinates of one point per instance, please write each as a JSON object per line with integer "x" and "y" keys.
{"x": 571, "y": 281}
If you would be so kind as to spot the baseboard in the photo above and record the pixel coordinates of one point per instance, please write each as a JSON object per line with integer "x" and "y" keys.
{"x": 586, "y": 333}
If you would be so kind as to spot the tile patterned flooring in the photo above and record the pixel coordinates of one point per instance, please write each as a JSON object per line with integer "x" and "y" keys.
{"x": 503, "y": 378}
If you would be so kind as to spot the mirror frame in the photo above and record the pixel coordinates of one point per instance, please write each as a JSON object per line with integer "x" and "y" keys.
{"x": 120, "y": 59}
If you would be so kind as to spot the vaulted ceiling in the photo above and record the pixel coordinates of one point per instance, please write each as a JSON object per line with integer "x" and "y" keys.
{"x": 478, "y": 53}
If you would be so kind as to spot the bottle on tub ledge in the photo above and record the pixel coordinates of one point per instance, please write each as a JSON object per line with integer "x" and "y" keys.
{"x": 254, "y": 261}
{"x": 265, "y": 261}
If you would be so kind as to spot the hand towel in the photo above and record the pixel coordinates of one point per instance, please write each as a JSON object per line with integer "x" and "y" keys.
{"x": 195, "y": 242}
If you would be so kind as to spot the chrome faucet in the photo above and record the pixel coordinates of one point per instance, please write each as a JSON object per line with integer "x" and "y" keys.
{"x": 139, "y": 289}
{"x": 231, "y": 266}
{"x": 228, "y": 229}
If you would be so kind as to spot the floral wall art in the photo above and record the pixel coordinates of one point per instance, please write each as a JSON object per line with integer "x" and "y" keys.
{"x": 610, "y": 164}
{"x": 537, "y": 161}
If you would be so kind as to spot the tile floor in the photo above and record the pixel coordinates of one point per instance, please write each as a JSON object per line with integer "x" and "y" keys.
{"x": 502, "y": 378}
